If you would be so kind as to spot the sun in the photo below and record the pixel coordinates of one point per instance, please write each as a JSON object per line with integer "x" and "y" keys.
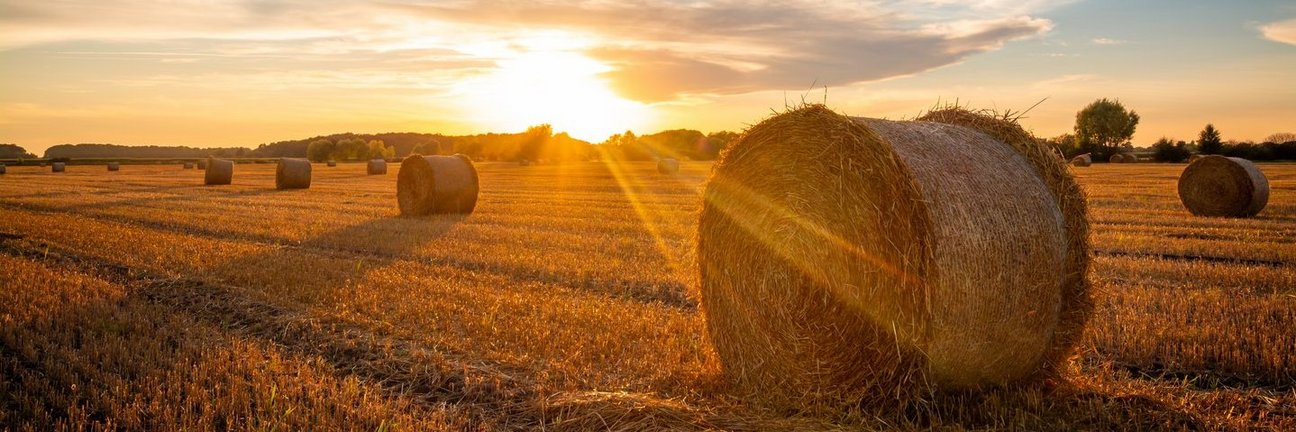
{"x": 561, "y": 88}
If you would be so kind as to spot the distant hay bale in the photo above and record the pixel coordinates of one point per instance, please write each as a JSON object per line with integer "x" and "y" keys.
{"x": 377, "y": 167}
{"x": 2, "y": 168}
{"x": 865, "y": 260}
{"x": 114, "y": 166}
{"x": 188, "y": 165}
{"x": 293, "y": 174}
{"x": 202, "y": 164}
{"x": 1119, "y": 158}
{"x": 524, "y": 162}
{"x": 1083, "y": 160}
{"x": 668, "y": 166}
{"x": 59, "y": 167}
{"x": 1194, "y": 158}
{"x": 219, "y": 172}
{"x": 332, "y": 163}
{"x": 436, "y": 184}
{"x": 1223, "y": 186}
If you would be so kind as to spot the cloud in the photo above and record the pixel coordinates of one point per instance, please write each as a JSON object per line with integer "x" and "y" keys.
{"x": 1107, "y": 41}
{"x": 657, "y": 50}
{"x": 1281, "y": 32}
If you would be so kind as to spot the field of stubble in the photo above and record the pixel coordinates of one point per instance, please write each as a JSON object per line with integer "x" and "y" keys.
{"x": 142, "y": 299}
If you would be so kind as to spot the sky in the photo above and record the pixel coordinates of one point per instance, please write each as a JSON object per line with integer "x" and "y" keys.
{"x": 241, "y": 73}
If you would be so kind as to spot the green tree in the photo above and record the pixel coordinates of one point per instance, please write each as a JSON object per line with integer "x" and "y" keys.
{"x": 1065, "y": 144}
{"x": 320, "y": 150}
{"x": 1208, "y": 141}
{"x": 717, "y": 142}
{"x": 1166, "y": 150}
{"x": 1103, "y": 127}
{"x": 534, "y": 141}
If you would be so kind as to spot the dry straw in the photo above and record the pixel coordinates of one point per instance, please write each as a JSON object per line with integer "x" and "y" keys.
{"x": 219, "y": 172}
{"x": 59, "y": 167}
{"x": 436, "y": 184}
{"x": 862, "y": 260}
{"x": 1083, "y": 160}
{"x": 114, "y": 166}
{"x": 1223, "y": 186}
{"x": 332, "y": 163}
{"x": 202, "y": 164}
{"x": 377, "y": 167}
{"x": 668, "y": 166}
{"x": 188, "y": 165}
{"x": 293, "y": 174}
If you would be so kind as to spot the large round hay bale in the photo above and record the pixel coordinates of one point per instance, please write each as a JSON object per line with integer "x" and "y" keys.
{"x": 865, "y": 260}
{"x": 1223, "y": 186}
{"x": 58, "y": 167}
{"x": 436, "y": 184}
{"x": 668, "y": 166}
{"x": 202, "y": 164}
{"x": 219, "y": 172}
{"x": 331, "y": 163}
{"x": 114, "y": 166}
{"x": 1083, "y": 160}
{"x": 377, "y": 167}
{"x": 293, "y": 174}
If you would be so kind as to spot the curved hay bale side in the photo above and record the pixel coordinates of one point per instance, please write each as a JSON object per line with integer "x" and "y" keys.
{"x": 377, "y": 167}
{"x": 332, "y": 163}
{"x": 1194, "y": 158}
{"x": 1223, "y": 186}
{"x": 58, "y": 167}
{"x": 1117, "y": 158}
{"x": 114, "y": 166}
{"x": 668, "y": 166}
{"x": 202, "y": 164}
{"x": 219, "y": 172}
{"x": 863, "y": 260}
{"x": 436, "y": 184}
{"x": 1083, "y": 160}
{"x": 293, "y": 173}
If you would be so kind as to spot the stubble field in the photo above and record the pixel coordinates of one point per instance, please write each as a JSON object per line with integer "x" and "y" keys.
{"x": 567, "y": 300}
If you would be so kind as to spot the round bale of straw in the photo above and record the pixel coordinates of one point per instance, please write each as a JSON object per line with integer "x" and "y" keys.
{"x": 377, "y": 167}
{"x": 293, "y": 174}
{"x": 114, "y": 166}
{"x": 219, "y": 172}
{"x": 202, "y": 164}
{"x": 2, "y": 168}
{"x": 1117, "y": 158}
{"x": 332, "y": 163}
{"x": 668, "y": 166}
{"x": 1223, "y": 186}
{"x": 58, "y": 167}
{"x": 874, "y": 261}
{"x": 436, "y": 184}
{"x": 1083, "y": 160}
{"x": 1194, "y": 158}
{"x": 188, "y": 165}
{"x": 524, "y": 162}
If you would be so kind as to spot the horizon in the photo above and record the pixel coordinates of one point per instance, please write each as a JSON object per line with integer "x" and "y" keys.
{"x": 249, "y": 73}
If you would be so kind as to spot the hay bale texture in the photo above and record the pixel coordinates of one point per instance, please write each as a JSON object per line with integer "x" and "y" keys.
{"x": 293, "y": 174}
{"x": 668, "y": 166}
{"x": 114, "y": 166}
{"x": 1083, "y": 160}
{"x": 219, "y": 172}
{"x": 1123, "y": 158}
{"x": 202, "y": 164}
{"x": 436, "y": 184}
{"x": 377, "y": 167}
{"x": 188, "y": 165}
{"x": 58, "y": 167}
{"x": 1223, "y": 186}
{"x": 863, "y": 260}
{"x": 331, "y": 163}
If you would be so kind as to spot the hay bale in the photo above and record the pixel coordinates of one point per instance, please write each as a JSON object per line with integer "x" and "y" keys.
{"x": 114, "y": 166}
{"x": 2, "y": 168}
{"x": 219, "y": 172}
{"x": 293, "y": 174}
{"x": 864, "y": 260}
{"x": 332, "y": 163}
{"x": 202, "y": 164}
{"x": 188, "y": 165}
{"x": 59, "y": 167}
{"x": 436, "y": 184}
{"x": 668, "y": 166}
{"x": 1223, "y": 186}
{"x": 377, "y": 167}
{"x": 1116, "y": 158}
{"x": 1083, "y": 160}
{"x": 524, "y": 162}
{"x": 1194, "y": 158}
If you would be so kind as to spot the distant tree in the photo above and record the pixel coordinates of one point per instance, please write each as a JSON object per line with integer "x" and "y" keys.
{"x": 1103, "y": 127}
{"x": 1065, "y": 144}
{"x": 1281, "y": 137}
{"x": 377, "y": 149}
{"x": 1166, "y": 150}
{"x": 534, "y": 141}
{"x": 1208, "y": 141}
{"x": 717, "y": 142}
{"x": 427, "y": 147}
{"x": 13, "y": 151}
{"x": 320, "y": 150}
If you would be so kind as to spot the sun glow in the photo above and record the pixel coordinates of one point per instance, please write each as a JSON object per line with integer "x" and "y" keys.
{"x": 561, "y": 88}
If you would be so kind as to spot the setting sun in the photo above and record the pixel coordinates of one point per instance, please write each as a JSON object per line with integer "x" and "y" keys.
{"x": 563, "y": 89}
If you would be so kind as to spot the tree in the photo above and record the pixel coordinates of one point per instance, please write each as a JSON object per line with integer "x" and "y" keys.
{"x": 13, "y": 151}
{"x": 1208, "y": 142}
{"x": 1065, "y": 144}
{"x": 320, "y": 150}
{"x": 1281, "y": 137}
{"x": 379, "y": 150}
{"x": 1103, "y": 127}
{"x": 1166, "y": 150}
{"x": 717, "y": 142}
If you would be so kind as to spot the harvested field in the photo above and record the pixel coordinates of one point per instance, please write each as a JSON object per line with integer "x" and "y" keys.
{"x": 567, "y": 300}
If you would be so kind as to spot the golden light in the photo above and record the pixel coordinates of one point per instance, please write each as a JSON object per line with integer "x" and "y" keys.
{"x": 561, "y": 88}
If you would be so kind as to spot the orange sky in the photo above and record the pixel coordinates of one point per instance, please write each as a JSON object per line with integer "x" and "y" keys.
{"x": 241, "y": 73}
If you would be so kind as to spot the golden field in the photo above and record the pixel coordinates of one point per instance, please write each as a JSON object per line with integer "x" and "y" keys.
{"x": 566, "y": 301}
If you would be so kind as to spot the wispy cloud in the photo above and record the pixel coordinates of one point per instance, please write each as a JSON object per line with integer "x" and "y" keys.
{"x": 1281, "y": 31}
{"x": 1107, "y": 41}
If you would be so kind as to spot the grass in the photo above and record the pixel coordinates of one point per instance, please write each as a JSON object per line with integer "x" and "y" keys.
{"x": 142, "y": 299}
